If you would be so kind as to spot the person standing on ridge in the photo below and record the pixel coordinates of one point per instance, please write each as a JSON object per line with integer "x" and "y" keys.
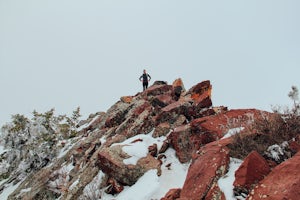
{"x": 145, "y": 78}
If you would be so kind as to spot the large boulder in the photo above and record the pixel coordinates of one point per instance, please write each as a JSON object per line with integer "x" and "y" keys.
{"x": 253, "y": 169}
{"x": 219, "y": 124}
{"x": 180, "y": 141}
{"x": 171, "y": 112}
{"x": 155, "y": 90}
{"x": 138, "y": 120}
{"x": 208, "y": 165}
{"x": 178, "y": 88}
{"x": 111, "y": 162}
{"x": 282, "y": 183}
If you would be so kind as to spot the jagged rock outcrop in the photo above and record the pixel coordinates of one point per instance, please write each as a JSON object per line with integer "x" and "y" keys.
{"x": 208, "y": 165}
{"x": 111, "y": 162}
{"x": 181, "y": 120}
{"x": 283, "y": 182}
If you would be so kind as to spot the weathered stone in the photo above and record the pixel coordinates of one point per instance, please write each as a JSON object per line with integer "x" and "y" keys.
{"x": 172, "y": 194}
{"x": 138, "y": 120}
{"x": 161, "y": 130}
{"x": 253, "y": 169}
{"x": 171, "y": 112}
{"x": 164, "y": 146}
{"x": 126, "y": 99}
{"x": 160, "y": 83}
{"x": 114, "y": 187}
{"x": 220, "y": 124}
{"x": 200, "y": 88}
{"x": 155, "y": 90}
{"x": 294, "y": 146}
{"x": 98, "y": 122}
{"x": 210, "y": 163}
{"x": 117, "y": 114}
{"x": 180, "y": 141}
{"x": 185, "y": 141}
{"x": 215, "y": 193}
{"x": 111, "y": 162}
{"x": 153, "y": 150}
{"x": 283, "y": 182}
{"x": 178, "y": 88}
{"x": 161, "y": 100}
{"x": 180, "y": 120}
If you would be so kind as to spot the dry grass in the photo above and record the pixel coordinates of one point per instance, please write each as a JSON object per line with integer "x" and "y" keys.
{"x": 266, "y": 131}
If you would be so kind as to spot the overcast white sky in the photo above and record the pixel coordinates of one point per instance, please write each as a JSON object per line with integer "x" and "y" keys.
{"x": 67, "y": 53}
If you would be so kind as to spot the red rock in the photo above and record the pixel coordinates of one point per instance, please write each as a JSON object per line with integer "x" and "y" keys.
{"x": 153, "y": 150}
{"x": 162, "y": 100}
{"x": 283, "y": 182}
{"x": 215, "y": 193}
{"x": 210, "y": 163}
{"x": 138, "y": 120}
{"x": 171, "y": 112}
{"x": 253, "y": 169}
{"x": 294, "y": 146}
{"x": 185, "y": 141}
{"x": 180, "y": 141}
{"x": 126, "y": 99}
{"x": 155, "y": 90}
{"x": 114, "y": 186}
{"x": 172, "y": 194}
{"x": 220, "y": 124}
{"x": 178, "y": 83}
{"x": 164, "y": 146}
{"x": 178, "y": 88}
{"x": 200, "y": 88}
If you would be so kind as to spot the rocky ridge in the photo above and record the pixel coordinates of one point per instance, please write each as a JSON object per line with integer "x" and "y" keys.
{"x": 192, "y": 127}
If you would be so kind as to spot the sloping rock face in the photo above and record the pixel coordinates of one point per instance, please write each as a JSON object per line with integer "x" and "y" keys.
{"x": 282, "y": 183}
{"x": 253, "y": 169}
{"x": 187, "y": 122}
{"x": 208, "y": 165}
{"x": 111, "y": 162}
{"x": 188, "y": 138}
{"x": 161, "y": 107}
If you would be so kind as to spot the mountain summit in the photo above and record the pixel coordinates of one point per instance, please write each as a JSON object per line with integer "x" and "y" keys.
{"x": 163, "y": 143}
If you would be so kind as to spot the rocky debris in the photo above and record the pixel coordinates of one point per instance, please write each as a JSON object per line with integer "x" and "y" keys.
{"x": 208, "y": 165}
{"x": 186, "y": 121}
{"x": 153, "y": 150}
{"x": 111, "y": 162}
{"x": 178, "y": 88}
{"x": 283, "y": 182}
{"x": 114, "y": 186}
{"x": 172, "y": 194}
{"x": 253, "y": 169}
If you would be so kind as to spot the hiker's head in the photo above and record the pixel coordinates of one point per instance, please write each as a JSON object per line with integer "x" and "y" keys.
{"x": 144, "y": 71}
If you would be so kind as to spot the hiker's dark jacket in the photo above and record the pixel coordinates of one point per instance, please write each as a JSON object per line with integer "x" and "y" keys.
{"x": 145, "y": 78}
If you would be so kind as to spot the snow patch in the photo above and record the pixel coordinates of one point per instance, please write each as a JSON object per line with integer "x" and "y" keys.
{"x": 232, "y": 132}
{"x": 139, "y": 149}
{"x": 226, "y": 182}
{"x": 10, "y": 188}
{"x": 151, "y": 186}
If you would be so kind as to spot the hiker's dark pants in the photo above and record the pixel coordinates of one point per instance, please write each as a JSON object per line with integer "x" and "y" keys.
{"x": 145, "y": 85}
